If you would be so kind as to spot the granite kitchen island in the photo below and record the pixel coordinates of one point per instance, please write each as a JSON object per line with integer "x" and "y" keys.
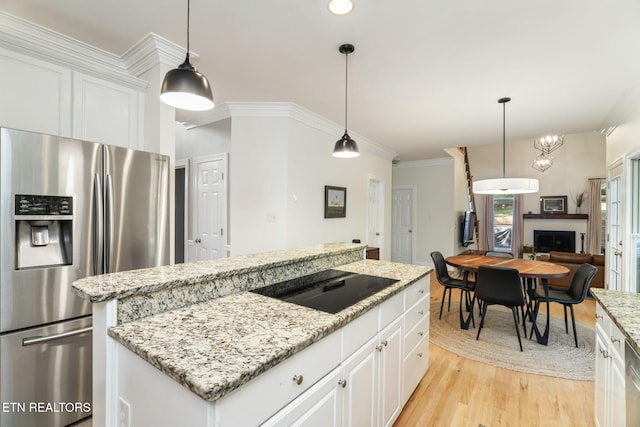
{"x": 191, "y": 344}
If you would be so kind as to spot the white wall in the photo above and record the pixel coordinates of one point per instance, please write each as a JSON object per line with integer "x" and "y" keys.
{"x": 436, "y": 222}
{"x": 213, "y": 138}
{"x": 279, "y": 162}
{"x": 311, "y": 167}
{"x": 581, "y": 157}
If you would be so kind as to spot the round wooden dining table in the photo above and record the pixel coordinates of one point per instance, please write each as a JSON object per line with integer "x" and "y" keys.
{"x": 529, "y": 269}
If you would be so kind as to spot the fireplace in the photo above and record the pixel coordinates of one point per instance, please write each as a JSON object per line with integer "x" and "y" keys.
{"x": 552, "y": 240}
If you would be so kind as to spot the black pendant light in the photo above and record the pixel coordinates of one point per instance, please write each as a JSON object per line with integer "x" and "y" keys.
{"x": 184, "y": 87}
{"x": 346, "y": 147}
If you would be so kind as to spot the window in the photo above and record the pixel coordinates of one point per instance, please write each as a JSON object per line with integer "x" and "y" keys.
{"x": 502, "y": 222}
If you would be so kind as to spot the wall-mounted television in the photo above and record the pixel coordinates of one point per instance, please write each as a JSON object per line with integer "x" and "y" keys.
{"x": 468, "y": 228}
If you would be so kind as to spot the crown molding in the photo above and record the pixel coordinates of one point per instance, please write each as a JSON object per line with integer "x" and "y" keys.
{"x": 39, "y": 42}
{"x": 291, "y": 111}
{"x": 423, "y": 163}
{"x": 152, "y": 50}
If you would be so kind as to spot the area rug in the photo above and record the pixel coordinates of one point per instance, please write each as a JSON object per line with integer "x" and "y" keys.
{"x": 498, "y": 343}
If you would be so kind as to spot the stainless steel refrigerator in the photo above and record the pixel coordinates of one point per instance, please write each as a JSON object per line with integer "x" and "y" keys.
{"x": 68, "y": 209}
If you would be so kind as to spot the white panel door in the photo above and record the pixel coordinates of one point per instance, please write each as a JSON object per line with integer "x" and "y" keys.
{"x": 402, "y": 226}
{"x": 391, "y": 361}
{"x": 375, "y": 222}
{"x": 210, "y": 207}
{"x": 614, "y": 250}
{"x": 360, "y": 399}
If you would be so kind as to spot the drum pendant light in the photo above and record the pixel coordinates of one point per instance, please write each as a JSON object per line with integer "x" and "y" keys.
{"x": 346, "y": 147}
{"x": 184, "y": 87}
{"x": 505, "y": 185}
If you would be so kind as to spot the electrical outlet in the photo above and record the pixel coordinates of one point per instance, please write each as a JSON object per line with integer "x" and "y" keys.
{"x": 124, "y": 413}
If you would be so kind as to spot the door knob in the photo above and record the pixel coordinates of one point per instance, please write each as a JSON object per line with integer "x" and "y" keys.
{"x": 198, "y": 240}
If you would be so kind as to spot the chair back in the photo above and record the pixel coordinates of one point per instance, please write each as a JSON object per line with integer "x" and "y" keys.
{"x": 499, "y": 285}
{"x": 581, "y": 282}
{"x": 441, "y": 266}
{"x": 499, "y": 253}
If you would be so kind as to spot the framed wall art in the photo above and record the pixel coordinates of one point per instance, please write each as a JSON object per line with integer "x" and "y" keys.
{"x": 550, "y": 205}
{"x": 335, "y": 202}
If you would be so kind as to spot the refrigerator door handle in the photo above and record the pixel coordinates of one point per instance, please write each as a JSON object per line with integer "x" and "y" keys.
{"x": 41, "y": 340}
{"x": 98, "y": 226}
{"x": 109, "y": 229}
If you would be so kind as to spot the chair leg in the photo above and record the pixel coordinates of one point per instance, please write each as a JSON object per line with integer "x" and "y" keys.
{"x": 514, "y": 311}
{"x": 524, "y": 321}
{"x": 483, "y": 312}
{"x": 442, "y": 303}
{"x": 573, "y": 321}
{"x": 449, "y": 307}
{"x": 566, "y": 326}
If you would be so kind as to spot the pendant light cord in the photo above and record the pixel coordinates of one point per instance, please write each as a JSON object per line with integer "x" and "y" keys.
{"x": 346, "y": 85}
{"x": 504, "y": 109}
{"x": 188, "y": 24}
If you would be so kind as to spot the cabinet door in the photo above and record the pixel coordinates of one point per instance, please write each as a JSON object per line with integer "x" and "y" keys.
{"x": 617, "y": 395}
{"x": 36, "y": 95}
{"x": 602, "y": 362}
{"x": 320, "y": 406}
{"x": 391, "y": 360}
{"x": 361, "y": 373}
{"x": 106, "y": 112}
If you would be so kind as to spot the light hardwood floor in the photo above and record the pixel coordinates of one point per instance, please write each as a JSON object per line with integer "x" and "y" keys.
{"x": 461, "y": 392}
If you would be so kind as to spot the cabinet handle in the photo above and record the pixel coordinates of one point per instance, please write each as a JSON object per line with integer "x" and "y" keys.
{"x": 420, "y": 333}
{"x": 421, "y": 312}
{"x": 385, "y": 343}
{"x": 614, "y": 339}
{"x": 604, "y": 352}
{"x": 421, "y": 291}
{"x": 598, "y": 316}
{"x": 379, "y": 347}
{"x": 419, "y": 354}
{"x": 298, "y": 379}
{"x": 343, "y": 383}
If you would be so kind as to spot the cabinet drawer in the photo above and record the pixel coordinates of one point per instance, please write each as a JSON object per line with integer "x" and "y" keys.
{"x": 275, "y": 388}
{"x": 416, "y": 334}
{"x": 416, "y": 292}
{"x": 390, "y": 310}
{"x": 356, "y": 333}
{"x": 416, "y": 364}
{"x": 616, "y": 340}
{"x": 416, "y": 314}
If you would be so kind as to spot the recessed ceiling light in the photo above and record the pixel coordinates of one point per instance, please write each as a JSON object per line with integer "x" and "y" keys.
{"x": 340, "y": 7}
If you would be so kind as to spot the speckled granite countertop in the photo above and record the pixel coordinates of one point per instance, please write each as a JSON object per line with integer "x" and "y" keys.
{"x": 624, "y": 310}
{"x": 216, "y": 346}
{"x": 120, "y": 285}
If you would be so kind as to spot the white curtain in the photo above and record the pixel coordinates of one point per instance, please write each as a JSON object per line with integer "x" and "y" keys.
{"x": 594, "y": 223}
{"x": 486, "y": 224}
{"x": 517, "y": 226}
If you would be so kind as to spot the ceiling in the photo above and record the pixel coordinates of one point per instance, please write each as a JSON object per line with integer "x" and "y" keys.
{"x": 425, "y": 74}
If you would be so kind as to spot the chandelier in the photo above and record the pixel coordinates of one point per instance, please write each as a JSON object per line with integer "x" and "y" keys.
{"x": 542, "y": 162}
{"x": 548, "y": 144}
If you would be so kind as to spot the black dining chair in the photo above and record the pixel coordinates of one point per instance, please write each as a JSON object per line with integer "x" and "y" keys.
{"x": 500, "y": 286}
{"x": 576, "y": 293}
{"x": 499, "y": 253}
{"x": 449, "y": 283}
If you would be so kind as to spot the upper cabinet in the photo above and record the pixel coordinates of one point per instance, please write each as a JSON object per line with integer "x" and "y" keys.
{"x": 107, "y": 112}
{"x": 36, "y": 95}
{"x": 53, "y": 84}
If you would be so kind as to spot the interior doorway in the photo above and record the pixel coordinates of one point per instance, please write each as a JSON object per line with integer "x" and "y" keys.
{"x": 375, "y": 214}
{"x": 181, "y": 193}
{"x": 402, "y": 228}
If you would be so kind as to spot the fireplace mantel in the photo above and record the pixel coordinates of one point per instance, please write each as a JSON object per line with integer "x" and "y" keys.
{"x": 555, "y": 216}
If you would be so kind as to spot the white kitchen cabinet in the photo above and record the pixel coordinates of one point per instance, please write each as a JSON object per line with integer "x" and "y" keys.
{"x": 359, "y": 375}
{"x": 390, "y": 373}
{"x": 36, "y": 95}
{"x": 320, "y": 406}
{"x": 107, "y": 112}
{"x": 610, "y": 372}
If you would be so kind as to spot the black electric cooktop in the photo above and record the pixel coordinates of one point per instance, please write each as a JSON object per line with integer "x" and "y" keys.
{"x": 329, "y": 290}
